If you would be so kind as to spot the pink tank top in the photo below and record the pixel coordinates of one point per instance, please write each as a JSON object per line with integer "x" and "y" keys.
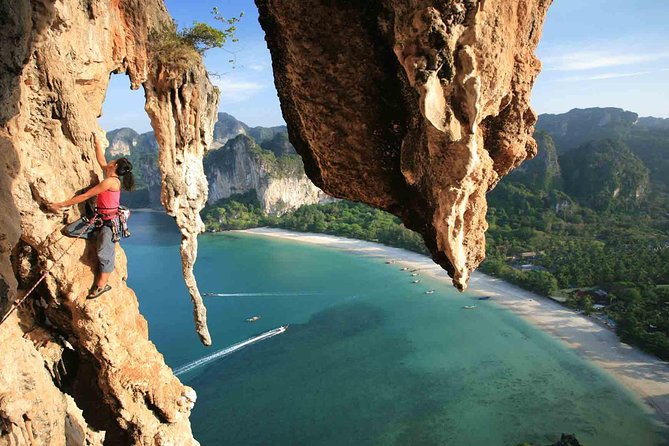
{"x": 108, "y": 203}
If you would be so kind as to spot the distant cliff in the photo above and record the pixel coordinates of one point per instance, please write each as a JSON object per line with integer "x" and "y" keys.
{"x": 259, "y": 159}
{"x": 279, "y": 182}
{"x": 579, "y": 126}
{"x": 543, "y": 171}
{"x": 647, "y": 138}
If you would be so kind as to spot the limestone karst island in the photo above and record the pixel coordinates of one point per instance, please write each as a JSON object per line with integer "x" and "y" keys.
{"x": 330, "y": 222}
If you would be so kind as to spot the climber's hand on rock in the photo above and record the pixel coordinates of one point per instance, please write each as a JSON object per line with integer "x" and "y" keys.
{"x": 54, "y": 207}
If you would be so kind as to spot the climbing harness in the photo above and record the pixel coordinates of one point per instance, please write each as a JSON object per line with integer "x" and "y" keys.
{"x": 118, "y": 221}
{"x": 18, "y": 303}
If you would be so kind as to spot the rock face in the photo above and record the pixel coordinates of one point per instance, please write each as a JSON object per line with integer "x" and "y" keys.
{"x": 242, "y": 166}
{"x": 414, "y": 107}
{"x": 56, "y": 58}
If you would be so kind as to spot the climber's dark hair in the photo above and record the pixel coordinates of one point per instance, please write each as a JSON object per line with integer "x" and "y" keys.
{"x": 124, "y": 169}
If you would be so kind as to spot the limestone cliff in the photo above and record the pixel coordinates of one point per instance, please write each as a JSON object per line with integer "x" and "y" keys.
{"x": 241, "y": 166}
{"x": 417, "y": 107}
{"x": 77, "y": 371}
{"x": 243, "y": 159}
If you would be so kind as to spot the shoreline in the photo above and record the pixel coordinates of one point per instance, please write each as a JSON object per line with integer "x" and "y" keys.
{"x": 646, "y": 376}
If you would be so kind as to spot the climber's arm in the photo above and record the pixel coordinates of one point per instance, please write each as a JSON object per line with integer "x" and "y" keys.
{"x": 99, "y": 153}
{"x": 105, "y": 185}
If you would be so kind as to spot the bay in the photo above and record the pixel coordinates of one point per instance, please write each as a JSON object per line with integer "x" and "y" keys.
{"x": 368, "y": 358}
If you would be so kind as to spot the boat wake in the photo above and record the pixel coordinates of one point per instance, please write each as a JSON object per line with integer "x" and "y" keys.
{"x": 258, "y": 294}
{"x": 228, "y": 350}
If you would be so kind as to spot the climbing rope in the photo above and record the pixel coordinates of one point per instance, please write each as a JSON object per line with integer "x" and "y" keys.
{"x": 18, "y": 303}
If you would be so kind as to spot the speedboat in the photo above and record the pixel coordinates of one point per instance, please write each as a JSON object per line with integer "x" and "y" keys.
{"x": 429, "y": 292}
{"x": 469, "y": 307}
{"x": 416, "y": 281}
{"x": 253, "y": 319}
{"x": 404, "y": 269}
{"x": 414, "y": 274}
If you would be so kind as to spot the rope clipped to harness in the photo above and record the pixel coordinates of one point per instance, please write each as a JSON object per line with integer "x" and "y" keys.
{"x": 18, "y": 303}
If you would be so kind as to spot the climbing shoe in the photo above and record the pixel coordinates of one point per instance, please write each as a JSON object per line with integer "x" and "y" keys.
{"x": 97, "y": 291}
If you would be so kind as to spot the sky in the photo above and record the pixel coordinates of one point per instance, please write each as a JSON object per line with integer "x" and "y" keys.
{"x": 595, "y": 53}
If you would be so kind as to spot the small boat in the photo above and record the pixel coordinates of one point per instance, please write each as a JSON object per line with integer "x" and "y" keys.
{"x": 414, "y": 274}
{"x": 416, "y": 281}
{"x": 404, "y": 269}
{"x": 253, "y": 319}
{"x": 390, "y": 262}
{"x": 429, "y": 292}
{"x": 484, "y": 298}
{"x": 469, "y": 307}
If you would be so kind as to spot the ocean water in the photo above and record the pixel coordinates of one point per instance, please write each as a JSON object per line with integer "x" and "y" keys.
{"x": 367, "y": 359}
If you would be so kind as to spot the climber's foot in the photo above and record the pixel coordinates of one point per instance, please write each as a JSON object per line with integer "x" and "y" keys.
{"x": 97, "y": 291}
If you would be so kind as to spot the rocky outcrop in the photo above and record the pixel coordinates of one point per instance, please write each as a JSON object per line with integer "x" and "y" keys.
{"x": 182, "y": 105}
{"x": 242, "y": 166}
{"x": 414, "y": 107}
{"x": 56, "y": 60}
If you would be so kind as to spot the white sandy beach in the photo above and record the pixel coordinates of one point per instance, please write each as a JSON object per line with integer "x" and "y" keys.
{"x": 643, "y": 374}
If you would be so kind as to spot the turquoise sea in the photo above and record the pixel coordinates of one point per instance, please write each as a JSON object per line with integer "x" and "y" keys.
{"x": 368, "y": 358}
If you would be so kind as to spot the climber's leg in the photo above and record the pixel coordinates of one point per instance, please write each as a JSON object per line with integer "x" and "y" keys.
{"x": 106, "y": 255}
{"x": 79, "y": 228}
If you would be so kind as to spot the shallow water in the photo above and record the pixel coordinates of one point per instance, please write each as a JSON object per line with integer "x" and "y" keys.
{"x": 368, "y": 357}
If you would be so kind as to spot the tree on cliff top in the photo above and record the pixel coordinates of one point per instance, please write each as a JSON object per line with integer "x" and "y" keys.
{"x": 179, "y": 49}
{"x": 203, "y": 37}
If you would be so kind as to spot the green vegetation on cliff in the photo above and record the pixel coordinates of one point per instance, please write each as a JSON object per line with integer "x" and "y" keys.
{"x": 343, "y": 218}
{"x": 605, "y": 175}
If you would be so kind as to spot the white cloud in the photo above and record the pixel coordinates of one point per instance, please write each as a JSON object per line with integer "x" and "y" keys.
{"x": 603, "y": 76}
{"x": 588, "y": 60}
{"x": 237, "y": 91}
{"x": 608, "y": 75}
{"x": 256, "y": 66}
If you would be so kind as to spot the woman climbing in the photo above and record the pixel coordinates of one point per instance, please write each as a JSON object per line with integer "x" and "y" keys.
{"x": 108, "y": 194}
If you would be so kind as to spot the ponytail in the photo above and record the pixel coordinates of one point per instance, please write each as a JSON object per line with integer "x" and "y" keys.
{"x": 128, "y": 181}
{"x": 124, "y": 169}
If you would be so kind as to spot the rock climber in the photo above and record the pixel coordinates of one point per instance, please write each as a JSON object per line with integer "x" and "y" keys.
{"x": 108, "y": 193}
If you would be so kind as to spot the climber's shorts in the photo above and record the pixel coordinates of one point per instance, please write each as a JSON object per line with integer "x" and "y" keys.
{"x": 106, "y": 247}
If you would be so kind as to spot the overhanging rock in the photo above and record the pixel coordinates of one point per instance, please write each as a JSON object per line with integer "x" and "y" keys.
{"x": 415, "y": 107}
